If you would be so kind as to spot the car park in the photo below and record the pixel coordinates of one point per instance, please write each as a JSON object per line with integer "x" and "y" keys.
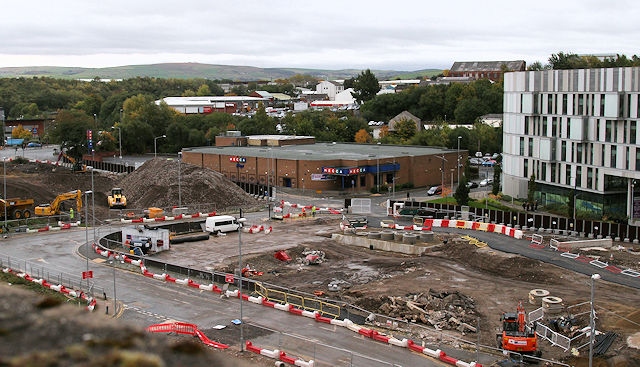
{"x": 434, "y": 190}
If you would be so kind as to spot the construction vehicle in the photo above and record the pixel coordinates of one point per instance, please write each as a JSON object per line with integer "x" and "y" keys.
{"x": 75, "y": 165}
{"x": 54, "y": 208}
{"x": 116, "y": 199}
{"x": 517, "y": 336}
{"x": 16, "y": 208}
{"x": 153, "y": 212}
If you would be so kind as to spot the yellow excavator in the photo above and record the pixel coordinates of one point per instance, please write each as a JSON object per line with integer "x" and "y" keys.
{"x": 54, "y": 207}
{"x": 75, "y": 165}
{"x": 116, "y": 199}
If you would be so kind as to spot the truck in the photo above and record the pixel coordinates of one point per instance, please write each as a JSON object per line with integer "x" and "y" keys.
{"x": 16, "y": 208}
{"x": 54, "y": 208}
{"x": 14, "y": 142}
{"x": 116, "y": 199}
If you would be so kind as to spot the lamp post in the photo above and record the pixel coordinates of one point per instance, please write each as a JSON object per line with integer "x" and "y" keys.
{"x": 119, "y": 139}
{"x": 458, "y": 160}
{"x": 4, "y": 195}
{"x": 633, "y": 185}
{"x": 240, "y": 221}
{"x": 179, "y": 180}
{"x": 86, "y": 232}
{"x": 93, "y": 205}
{"x": 592, "y": 320}
{"x": 155, "y": 145}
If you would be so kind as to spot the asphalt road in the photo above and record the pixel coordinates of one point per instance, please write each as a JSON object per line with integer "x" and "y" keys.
{"x": 143, "y": 301}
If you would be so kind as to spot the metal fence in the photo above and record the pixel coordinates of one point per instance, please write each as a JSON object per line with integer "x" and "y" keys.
{"x": 53, "y": 276}
{"x": 539, "y": 221}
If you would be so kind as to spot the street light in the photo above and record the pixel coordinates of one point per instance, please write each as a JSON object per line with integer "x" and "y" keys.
{"x": 592, "y": 320}
{"x": 86, "y": 233}
{"x": 458, "y": 160}
{"x": 119, "y": 138}
{"x": 179, "y": 180}
{"x": 4, "y": 196}
{"x": 155, "y": 149}
{"x": 240, "y": 221}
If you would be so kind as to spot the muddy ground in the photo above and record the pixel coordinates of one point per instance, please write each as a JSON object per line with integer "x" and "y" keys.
{"x": 495, "y": 281}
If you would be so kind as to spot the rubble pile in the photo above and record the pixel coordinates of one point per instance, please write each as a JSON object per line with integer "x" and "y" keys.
{"x": 441, "y": 310}
{"x": 155, "y": 184}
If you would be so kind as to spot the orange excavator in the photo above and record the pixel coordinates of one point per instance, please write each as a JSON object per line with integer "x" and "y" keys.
{"x": 516, "y": 335}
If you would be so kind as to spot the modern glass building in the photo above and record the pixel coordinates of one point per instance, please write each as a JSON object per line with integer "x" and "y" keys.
{"x": 576, "y": 131}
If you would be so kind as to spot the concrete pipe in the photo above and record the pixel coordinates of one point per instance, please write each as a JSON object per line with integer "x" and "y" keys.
{"x": 387, "y": 236}
{"x": 397, "y": 236}
{"x": 409, "y": 238}
{"x": 552, "y": 305}
{"x": 374, "y": 235}
{"x": 536, "y": 296}
{"x": 426, "y": 236}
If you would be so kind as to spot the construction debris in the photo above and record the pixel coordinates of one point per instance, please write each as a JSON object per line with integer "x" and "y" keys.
{"x": 312, "y": 257}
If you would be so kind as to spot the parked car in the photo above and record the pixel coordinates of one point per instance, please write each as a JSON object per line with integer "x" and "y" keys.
{"x": 475, "y": 161}
{"x": 34, "y": 144}
{"x": 472, "y": 185}
{"x": 434, "y": 190}
{"x": 486, "y": 182}
{"x": 489, "y": 163}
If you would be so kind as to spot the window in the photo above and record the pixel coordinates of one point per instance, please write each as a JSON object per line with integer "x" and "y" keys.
{"x": 521, "y": 146}
{"x": 550, "y": 108}
{"x": 608, "y": 132}
{"x": 543, "y": 171}
{"x": 526, "y": 169}
{"x": 590, "y": 177}
{"x": 578, "y": 153}
{"x": 564, "y": 104}
{"x": 530, "y": 147}
{"x": 614, "y": 152}
{"x": 637, "y": 159}
{"x": 567, "y": 174}
{"x": 578, "y": 176}
{"x": 545, "y": 125}
{"x": 526, "y": 125}
{"x": 563, "y": 153}
{"x": 554, "y": 167}
{"x": 633, "y": 131}
{"x": 554, "y": 126}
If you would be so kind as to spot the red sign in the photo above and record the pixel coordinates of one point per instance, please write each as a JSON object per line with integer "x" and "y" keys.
{"x": 87, "y": 274}
{"x": 228, "y": 278}
{"x": 237, "y": 159}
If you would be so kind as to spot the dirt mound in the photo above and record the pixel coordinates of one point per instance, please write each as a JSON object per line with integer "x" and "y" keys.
{"x": 155, "y": 183}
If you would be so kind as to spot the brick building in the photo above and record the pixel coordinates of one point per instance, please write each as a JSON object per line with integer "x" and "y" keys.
{"x": 299, "y": 162}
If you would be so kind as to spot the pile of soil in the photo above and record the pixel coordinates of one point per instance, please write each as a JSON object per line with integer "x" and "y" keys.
{"x": 154, "y": 184}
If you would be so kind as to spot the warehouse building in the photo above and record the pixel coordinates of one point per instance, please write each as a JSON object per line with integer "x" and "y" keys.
{"x": 300, "y": 162}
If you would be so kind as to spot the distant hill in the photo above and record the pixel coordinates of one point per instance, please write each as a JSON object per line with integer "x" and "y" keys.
{"x": 197, "y": 70}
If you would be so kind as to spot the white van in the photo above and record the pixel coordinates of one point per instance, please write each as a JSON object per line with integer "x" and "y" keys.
{"x": 221, "y": 223}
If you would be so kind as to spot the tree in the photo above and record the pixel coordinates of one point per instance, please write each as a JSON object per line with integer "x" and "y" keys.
{"x": 70, "y": 131}
{"x": 497, "y": 172}
{"x": 405, "y": 129}
{"x": 362, "y": 136}
{"x": 531, "y": 189}
{"x": 462, "y": 192}
{"x": 365, "y": 86}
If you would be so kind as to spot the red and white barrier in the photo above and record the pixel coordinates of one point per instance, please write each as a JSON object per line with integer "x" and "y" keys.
{"x": 279, "y": 355}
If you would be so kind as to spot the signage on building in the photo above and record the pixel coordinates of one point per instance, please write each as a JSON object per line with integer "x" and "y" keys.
{"x": 322, "y": 177}
{"x": 344, "y": 171}
{"x": 238, "y": 159}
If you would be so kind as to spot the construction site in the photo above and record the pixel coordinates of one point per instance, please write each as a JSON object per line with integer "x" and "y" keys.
{"x": 454, "y": 283}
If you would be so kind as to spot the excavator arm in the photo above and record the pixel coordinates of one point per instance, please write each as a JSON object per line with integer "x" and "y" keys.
{"x": 54, "y": 207}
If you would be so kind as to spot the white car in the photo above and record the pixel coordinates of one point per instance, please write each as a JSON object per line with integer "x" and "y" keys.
{"x": 486, "y": 182}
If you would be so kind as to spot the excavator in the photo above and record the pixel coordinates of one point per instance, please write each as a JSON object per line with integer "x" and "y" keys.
{"x": 75, "y": 165}
{"x": 54, "y": 207}
{"x": 517, "y": 336}
{"x": 116, "y": 199}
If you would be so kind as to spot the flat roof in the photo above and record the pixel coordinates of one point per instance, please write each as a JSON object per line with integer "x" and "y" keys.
{"x": 324, "y": 151}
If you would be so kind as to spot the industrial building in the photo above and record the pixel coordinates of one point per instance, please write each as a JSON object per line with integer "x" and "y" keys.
{"x": 576, "y": 131}
{"x": 302, "y": 163}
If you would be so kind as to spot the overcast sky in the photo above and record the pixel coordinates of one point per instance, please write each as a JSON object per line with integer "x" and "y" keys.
{"x": 325, "y": 34}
